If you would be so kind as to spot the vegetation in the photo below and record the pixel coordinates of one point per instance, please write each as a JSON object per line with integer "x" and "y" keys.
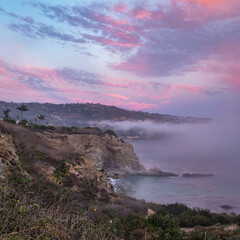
{"x": 111, "y": 132}
{"x": 68, "y": 129}
{"x": 94, "y": 112}
{"x": 22, "y": 108}
{"x": 24, "y": 216}
{"x": 40, "y": 127}
{"x": 6, "y": 114}
{"x": 94, "y": 128}
{"x": 41, "y": 118}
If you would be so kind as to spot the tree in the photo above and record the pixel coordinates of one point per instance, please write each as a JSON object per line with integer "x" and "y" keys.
{"x": 41, "y": 118}
{"x": 6, "y": 113}
{"x": 22, "y": 108}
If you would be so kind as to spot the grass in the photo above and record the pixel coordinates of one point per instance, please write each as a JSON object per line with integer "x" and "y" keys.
{"x": 24, "y": 216}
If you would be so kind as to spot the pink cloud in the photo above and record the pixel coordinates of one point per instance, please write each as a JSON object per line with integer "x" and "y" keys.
{"x": 205, "y": 10}
{"x": 45, "y": 73}
{"x": 128, "y": 66}
{"x": 117, "y": 96}
{"x": 120, "y": 7}
{"x": 141, "y": 13}
{"x": 198, "y": 89}
{"x": 119, "y": 44}
{"x": 109, "y": 20}
{"x": 225, "y": 65}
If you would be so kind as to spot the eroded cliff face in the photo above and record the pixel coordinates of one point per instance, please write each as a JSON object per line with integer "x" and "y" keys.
{"x": 44, "y": 162}
{"x": 8, "y": 154}
{"x": 106, "y": 151}
{"x": 53, "y": 162}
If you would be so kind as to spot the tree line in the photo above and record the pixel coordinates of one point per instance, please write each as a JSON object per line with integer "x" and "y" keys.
{"x": 22, "y": 108}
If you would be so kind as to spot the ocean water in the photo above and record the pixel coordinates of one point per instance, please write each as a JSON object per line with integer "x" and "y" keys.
{"x": 182, "y": 155}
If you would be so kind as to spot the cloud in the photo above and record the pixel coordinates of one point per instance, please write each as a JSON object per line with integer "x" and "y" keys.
{"x": 226, "y": 65}
{"x": 169, "y": 52}
{"x": 120, "y": 7}
{"x": 106, "y": 29}
{"x": 42, "y": 31}
{"x": 151, "y": 40}
{"x": 198, "y": 89}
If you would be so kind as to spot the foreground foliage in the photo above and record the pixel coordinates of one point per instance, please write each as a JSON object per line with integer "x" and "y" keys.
{"x": 25, "y": 215}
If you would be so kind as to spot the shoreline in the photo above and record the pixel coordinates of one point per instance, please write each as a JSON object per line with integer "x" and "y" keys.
{"x": 153, "y": 189}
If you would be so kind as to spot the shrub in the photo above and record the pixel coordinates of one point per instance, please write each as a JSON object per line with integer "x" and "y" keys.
{"x": 164, "y": 227}
{"x": 69, "y": 129}
{"x": 94, "y": 128}
{"x": 124, "y": 226}
{"x": 23, "y": 216}
{"x": 23, "y": 123}
{"x": 9, "y": 120}
{"x": 174, "y": 209}
{"x": 111, "y": 132}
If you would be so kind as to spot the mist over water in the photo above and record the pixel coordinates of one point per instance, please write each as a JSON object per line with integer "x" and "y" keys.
{"x": 212, "y": 147}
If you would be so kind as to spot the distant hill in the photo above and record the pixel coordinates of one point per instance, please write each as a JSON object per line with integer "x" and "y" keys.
{"x": 81, "y": 113}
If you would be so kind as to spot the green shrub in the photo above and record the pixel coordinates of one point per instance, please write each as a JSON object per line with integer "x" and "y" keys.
{"x": 94, "y": 128}
{"x": 69, "y": 129}
{"x": 9, "y": 120}
{"x": 23, "y": 123}
{"x": 41, "y": 127}
{"x": 111, "y": 132}
{"x": 174, "y": 209}
{"x": 124, "y": 226}
{"x": 164, "y": 227}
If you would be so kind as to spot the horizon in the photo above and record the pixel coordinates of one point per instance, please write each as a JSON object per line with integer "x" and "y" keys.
{"x": 173, "y": 57}
{"x": 106, "y": 106}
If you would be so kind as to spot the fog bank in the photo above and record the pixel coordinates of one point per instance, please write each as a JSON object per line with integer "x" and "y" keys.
{"x": 210, "y": 147}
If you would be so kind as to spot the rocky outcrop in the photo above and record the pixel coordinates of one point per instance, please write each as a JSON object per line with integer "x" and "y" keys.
{"x": 226, "y": 207}
{"x": 106, "y": 151}
{"x": 190, "y": 175}
{"x": 59, "y": 163}
{"x": 154, "y": 172}
{"x": 8, "y": 155}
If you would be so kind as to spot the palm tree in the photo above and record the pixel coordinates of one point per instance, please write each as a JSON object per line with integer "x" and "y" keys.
{"x": 22, "y": 108}
{"x": 41, "y": 118}
{"x": 6, "y": 113}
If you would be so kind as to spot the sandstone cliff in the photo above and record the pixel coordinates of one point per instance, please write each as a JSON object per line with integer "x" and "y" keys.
{"x": 106, "y": 151}
{"x": 52, "y": 162}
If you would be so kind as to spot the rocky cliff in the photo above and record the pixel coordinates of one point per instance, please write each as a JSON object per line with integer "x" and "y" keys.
{"x": 106, "y": 151}
{"x": 58, "y": 162}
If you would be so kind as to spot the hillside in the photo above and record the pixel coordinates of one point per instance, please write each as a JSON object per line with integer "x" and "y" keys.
{"x": 80, "y": 114}
{"x": 53, "y": 186}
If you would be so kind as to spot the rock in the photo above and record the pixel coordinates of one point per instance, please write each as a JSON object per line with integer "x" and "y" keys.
{"x": 154, "y": 172}
{"x": 197, "y": 175}
{"x": 158, "y": 172}
{"x": 150, "y": 212}
{"x": 232, "y": 228}
{"x": 226, "y": 207}
{"x": 106, "y": 151}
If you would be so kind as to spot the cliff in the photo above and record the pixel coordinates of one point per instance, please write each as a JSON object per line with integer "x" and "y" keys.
{"x": 105, "y": 151}
{"x": 77, "y": 164}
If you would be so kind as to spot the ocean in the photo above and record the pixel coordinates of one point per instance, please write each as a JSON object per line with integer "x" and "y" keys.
{"x": 188, "y": 155}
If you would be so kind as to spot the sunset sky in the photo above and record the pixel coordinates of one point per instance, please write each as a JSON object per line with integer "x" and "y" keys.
{"x": 178, "y": 57}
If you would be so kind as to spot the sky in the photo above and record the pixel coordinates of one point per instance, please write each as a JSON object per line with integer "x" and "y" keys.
{"x": 178, "y": 57}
